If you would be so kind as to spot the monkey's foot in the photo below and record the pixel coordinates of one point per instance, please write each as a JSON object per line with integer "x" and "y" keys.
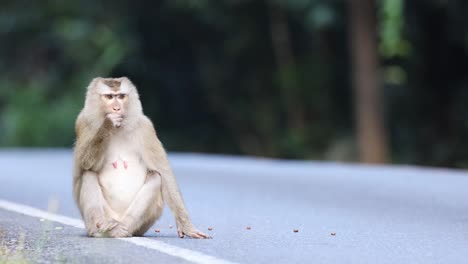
{"x": 119, "y": 231}
{"x": 104, "y": 225}
{"x": 98, "y": 225}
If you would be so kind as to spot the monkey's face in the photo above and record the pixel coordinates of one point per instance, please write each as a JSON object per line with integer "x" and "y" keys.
{"x": 114, "y": 102}
{"x": 114, "y": 96}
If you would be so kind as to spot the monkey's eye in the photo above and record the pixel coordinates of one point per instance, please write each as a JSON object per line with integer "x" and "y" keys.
{"x": 121, "y": 96}
{"x": 109, "y": 96}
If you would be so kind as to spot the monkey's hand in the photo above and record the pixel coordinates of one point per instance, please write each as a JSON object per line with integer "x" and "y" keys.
{"x": 116, "y": 119}
{"x": 191, "y": 232}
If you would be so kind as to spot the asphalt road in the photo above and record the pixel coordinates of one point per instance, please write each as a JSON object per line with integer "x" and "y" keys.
{"x": 378, "y": 214}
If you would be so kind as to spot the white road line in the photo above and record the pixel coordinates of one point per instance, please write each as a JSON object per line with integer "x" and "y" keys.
{"x": 186, "y": 254}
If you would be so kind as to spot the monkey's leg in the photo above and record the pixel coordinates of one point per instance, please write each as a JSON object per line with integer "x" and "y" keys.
{"x": 146, "y": 207}
{"x": 94, "y": 208}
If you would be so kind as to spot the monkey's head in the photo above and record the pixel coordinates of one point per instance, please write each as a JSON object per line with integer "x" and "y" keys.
{"x": 113, "y": 95}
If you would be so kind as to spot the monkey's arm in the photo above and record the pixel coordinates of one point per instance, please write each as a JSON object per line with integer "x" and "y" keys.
{"x": 90, "y": 143}
{"x": 155, "y": 158}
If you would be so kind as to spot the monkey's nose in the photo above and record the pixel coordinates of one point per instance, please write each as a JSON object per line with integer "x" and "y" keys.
{"x": 116, "y": 109}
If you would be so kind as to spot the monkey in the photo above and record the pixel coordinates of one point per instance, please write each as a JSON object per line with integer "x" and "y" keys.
{"x": 122, "y": 177}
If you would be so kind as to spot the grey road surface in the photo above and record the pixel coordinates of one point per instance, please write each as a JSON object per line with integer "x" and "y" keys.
{"x": 377, "y": 214}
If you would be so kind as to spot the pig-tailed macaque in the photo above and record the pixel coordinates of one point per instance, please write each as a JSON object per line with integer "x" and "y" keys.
{"x": 122, "y": 176}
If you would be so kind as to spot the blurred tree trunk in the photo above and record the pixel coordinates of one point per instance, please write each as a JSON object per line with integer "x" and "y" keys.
{"x": 368, "y": 101}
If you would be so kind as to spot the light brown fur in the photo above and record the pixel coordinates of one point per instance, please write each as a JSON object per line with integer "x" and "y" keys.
{"x": 113, "y": 84}
{"x": 100, "y": 129}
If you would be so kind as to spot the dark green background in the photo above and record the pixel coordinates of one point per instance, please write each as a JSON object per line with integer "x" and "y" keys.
{"x": 210, "y": 79}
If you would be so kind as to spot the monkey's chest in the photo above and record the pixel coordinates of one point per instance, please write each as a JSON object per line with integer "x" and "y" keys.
{"x": 122, "y": 177}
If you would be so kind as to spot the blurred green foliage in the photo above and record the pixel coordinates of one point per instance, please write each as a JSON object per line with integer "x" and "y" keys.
{"x": 391, "y": 29}
{"x": 266, "y": 78}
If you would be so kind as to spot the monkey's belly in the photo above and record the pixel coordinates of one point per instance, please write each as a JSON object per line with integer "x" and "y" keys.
{"x": 121, "y": 179}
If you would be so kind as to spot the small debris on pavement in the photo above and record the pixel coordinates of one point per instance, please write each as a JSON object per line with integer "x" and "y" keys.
{"x": 210, "y": 228}
{"x": 157, "y": 230}
{"x": 333, "y": 234}
{"x": 296, "y": 230}
{"x": 248, "y": 228}
{"x": 170, "y": 226}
